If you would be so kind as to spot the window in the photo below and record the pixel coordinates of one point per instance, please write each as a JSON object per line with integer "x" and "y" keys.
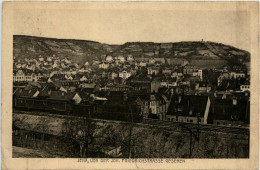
{"x": 187, "y": 120}
{"x": 218, "y": 123}
{"x": 191, "y": 120}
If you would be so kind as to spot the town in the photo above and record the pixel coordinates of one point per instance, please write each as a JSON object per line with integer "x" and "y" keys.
{"x": 146, "y": 86}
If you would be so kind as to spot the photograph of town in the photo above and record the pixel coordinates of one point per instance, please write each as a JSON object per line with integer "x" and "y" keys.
{"x": 139, "y": 99}
{"x": 83, "y": 98}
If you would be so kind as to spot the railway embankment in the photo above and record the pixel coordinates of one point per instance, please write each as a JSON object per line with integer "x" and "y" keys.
{"x": 65, "y": 135}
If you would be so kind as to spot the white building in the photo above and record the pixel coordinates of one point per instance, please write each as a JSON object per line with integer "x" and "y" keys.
{"x": 198, "y": 73}
{"x": 121, "y": 58}
{"x": 153, "y": 70}
{"x": 83, "y": 78}
{"x": 104, "y": 65}
{"x": 130, "y": 58}
{"x": 237, "y": 75}
{"x": 245, "y": 87}
{"x": 109, "y": 58}
{"x": 143, "y": 64}
{"x": 22, "y": 76}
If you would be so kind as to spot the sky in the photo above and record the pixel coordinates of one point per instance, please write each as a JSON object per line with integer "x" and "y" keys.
{"x": 146, "y": 23}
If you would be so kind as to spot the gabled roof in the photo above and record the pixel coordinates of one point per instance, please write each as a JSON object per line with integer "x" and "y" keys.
{"x": 44, "y": 93}
{"x": 223, "y": 109}
{"x": 84, "y": 95}
{"x": 58, "y": 77}
{"x": 58, "y": 95}
{"x": 26, "y": 93}
{"x": 188, "y": 105}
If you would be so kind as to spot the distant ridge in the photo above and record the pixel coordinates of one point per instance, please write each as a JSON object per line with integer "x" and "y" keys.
{"x": 200, "y": 53}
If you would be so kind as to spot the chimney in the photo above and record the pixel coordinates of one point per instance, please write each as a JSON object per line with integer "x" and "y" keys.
{"x": 234, "y": 101}
{"x": 179, "y": 99}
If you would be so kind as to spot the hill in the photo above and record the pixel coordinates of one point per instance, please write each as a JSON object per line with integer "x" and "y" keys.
{"x": 198, "y": 53}
{"x": 78, "y": 50}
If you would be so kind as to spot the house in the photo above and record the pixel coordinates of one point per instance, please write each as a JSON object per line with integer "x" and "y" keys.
{"x": 26, "y": 75}
{"x": 189, "y": 109}
{"x": 230, "y": 112}
{"x": 67, "y": 60}
{"x": 41, "y": 58}
{"x": 237, "y": 74}
{"x": 57, "y": 77}
{"x": 189, "y": 69}
{"x": 185, "y": 81}
{"x": 142, "y": 64}
{"x": 245, "y": 86}
{"x": 174, "y": 74}
{"x": 77, "y": 98}
{"x": 135, "y": 99}
{"x": 103, "y": 65}
{"x": 54, "y": 65}
{"x": 179, "y": 74}
{"x": 164, "y": 83}
{"x": 173, "y": 82}
{"x": 203, "y": 87}
{"x": 49, "y": 59}
{"x": 112, "y": 75}
{"x": 69, "y": 96}
{"x": 87, "y": 85}
{"x": 30, "y": 93}
{"x": 68, "y": 77}
{"x": 18, "y": 76}
{"x": 223, "y": 76}
{"x": 130, "y": 58}
{"x": 124, "y": 74}
{"x": 153, "y": 70}
{"x": 109, "y": 58}
{"x": 159, "y": 59}
{"x": 157, "y": 106}
{"x": 86, "y": 63}
{"x": 155, "y": 85}
{"x": 151, "y": 61}
{"x": 67, "y": 83}
{"x": 85, "y": 96}
{"x": 198, "y": 73}
{"x": 120, "y": 87}
{"x": 83, "y": 78}
{"x": 118, "y": 107}
{"x": 143, "y": 84}
{"x": 167, "y": 71}
{"x": 120, "y": 58}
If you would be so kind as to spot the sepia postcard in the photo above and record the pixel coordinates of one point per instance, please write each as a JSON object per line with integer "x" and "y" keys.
{"x": 130, "y": 85}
